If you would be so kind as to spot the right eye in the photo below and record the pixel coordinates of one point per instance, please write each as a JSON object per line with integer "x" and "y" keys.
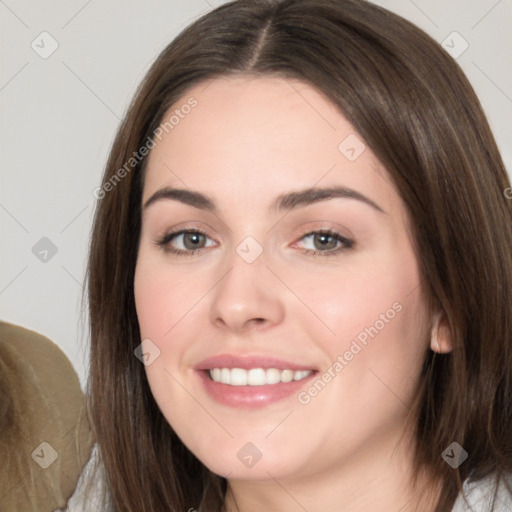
{"x": 189, "y": 242}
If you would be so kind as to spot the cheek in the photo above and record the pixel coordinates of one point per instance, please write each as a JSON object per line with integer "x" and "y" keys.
{"x": 163, "y": 297}
{"x": 375, "y": 303}
{"x": 346, "y": 300}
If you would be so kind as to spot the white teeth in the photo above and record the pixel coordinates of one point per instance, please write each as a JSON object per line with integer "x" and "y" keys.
{"x": 225, "y": 376}
{"x": 273, "y": 376}
{"x": 255, "y": 376}
{"x": 287, "y": 376}
{"x": 238, "y": 377}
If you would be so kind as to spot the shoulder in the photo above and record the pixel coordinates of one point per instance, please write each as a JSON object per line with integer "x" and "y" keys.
{"x": 480, "y": 496}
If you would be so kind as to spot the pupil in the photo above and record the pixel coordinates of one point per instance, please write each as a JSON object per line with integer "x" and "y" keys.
{"x": 194, "y": 238}
{"x": 324, "y": 240}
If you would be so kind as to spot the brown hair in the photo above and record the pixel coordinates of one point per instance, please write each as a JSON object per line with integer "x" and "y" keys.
{"x": 415, "y": 109}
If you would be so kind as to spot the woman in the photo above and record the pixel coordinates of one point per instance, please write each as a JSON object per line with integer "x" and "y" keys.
{"x": 235, "y": 366}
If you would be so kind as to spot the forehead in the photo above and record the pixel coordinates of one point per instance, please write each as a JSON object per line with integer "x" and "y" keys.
{"x": 249, "y": 139}
{"x": 249, "y": 110}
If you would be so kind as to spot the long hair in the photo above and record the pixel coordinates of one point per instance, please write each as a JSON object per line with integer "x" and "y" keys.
{"x": 416, "y": 110}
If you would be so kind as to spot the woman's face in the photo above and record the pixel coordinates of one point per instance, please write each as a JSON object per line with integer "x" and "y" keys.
{"x": 282, "y": 282}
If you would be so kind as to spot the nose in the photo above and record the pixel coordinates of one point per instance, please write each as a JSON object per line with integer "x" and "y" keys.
{"x": 247, "y": 297}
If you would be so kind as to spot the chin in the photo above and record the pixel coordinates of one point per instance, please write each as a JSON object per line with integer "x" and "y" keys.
{"x": 246, "y": 462}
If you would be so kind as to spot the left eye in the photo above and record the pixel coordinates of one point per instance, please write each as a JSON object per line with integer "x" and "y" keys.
{"x": 326, "y": 242}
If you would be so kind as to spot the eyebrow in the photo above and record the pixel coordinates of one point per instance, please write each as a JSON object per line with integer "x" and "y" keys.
{"x": 288, "y": 201}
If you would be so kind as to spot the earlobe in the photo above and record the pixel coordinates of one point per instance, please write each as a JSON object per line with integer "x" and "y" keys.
{"x": 441, "y": 339}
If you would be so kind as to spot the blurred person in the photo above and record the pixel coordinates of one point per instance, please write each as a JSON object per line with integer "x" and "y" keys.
{"x": 46, "y": 438}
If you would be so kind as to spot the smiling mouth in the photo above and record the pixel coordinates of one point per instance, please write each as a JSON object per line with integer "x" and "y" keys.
{"x": 255, "y": 376}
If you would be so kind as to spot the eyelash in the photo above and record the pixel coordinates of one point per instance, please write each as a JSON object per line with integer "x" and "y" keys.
{"x": 164, "y": 243}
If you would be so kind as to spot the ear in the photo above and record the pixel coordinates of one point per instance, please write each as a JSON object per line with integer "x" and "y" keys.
{"x": 441, "y": 338}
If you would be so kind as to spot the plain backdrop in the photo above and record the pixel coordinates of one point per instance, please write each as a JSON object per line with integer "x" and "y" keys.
{"x": 60, "y": 112}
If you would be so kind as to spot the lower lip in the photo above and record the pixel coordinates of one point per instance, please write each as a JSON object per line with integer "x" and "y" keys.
{"x": 251, "y": 396}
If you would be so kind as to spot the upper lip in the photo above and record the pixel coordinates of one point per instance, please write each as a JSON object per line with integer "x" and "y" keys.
{"x": 248, "y": 361}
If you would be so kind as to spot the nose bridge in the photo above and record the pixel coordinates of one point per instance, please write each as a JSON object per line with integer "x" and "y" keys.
{"x": 248, "y": 292}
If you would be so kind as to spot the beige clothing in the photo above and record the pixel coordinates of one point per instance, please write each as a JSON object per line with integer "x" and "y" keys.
{"x": 45, "y": 454}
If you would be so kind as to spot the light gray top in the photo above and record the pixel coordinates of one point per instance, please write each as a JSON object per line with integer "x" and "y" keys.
{"x": 479, "y": 494}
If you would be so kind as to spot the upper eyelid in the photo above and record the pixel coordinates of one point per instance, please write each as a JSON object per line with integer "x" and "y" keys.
{"x": 319, "y": 225}
{"x": 173, "y": 234}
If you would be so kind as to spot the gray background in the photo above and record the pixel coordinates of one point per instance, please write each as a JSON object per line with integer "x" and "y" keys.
{"x": 59, "y": 115}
